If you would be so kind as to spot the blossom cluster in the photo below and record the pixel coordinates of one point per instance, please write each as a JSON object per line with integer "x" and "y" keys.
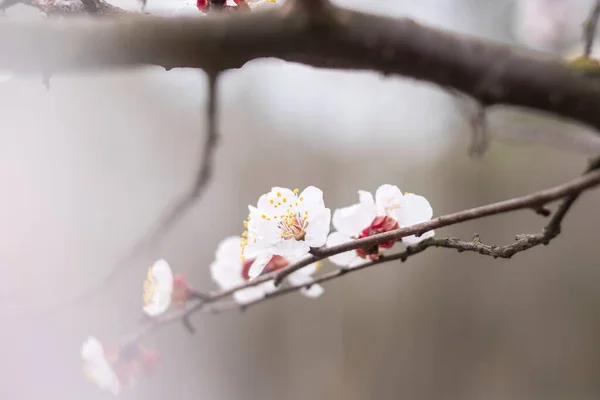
{"x": 281, "y": 230}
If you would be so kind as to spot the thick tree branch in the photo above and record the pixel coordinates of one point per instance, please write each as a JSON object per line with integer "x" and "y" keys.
{"x": 336, "y": 38}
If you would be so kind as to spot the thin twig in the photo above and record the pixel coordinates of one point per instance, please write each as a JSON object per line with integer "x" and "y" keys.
{"x": 522, "y": 243}
{"x": 589, "y": 29}
{"x": 182, "y": 205}
{"x": 569, "y": 191}
{"x": 532, "y": 201}
{"x": 475, "y": 114}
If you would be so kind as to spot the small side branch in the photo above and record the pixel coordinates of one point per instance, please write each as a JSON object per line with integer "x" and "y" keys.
{"x": 589, "y": 29}
{"x": 182, "y": 205}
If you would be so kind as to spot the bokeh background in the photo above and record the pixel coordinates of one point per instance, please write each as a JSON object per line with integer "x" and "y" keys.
{"x": 87, "y": 167}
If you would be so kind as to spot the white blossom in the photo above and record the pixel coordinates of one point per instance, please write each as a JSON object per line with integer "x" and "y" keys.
{"x": 389, "y": 210}
{"x": 229, "y": 271}
{"x": 158, "y": 288}
{"x": 97, "y": 368}
{"x": 285, "y": 223}
{"x": 303, "y": 276}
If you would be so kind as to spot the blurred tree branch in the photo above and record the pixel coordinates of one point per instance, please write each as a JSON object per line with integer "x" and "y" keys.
{"x": 326, "y": 36}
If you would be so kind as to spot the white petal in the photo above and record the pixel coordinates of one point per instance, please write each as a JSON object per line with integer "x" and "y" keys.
{"x": 299, "y": 278}
{"x": 312, "y": 197}
{"x": 318, "y": 228}
{"x": 309, "y": 269}
{"x": 259, "y": 264}
{"x": 365, "y": 198}
{"x": 97, "y": 367}
{"x": 248, "y": 295}
{"x": 160, "y": 289}
{"x": 414, "y": 209}
{"x": 268, "y": 287}
{"x": 254, "y": 293}
{"x": 410, "y": 240}
{"x": 92, "y": 349}
{"x": 313, "y": 291}
{"x": 227, "y": 274}
{"x": 352, "y": 220}
{"x": 291, "y": 249}
{"x": 302, "y": 277}
{"x": 342, "y": 259}
{"x": 162, "y": 272}
{"x": 229, "y": 249}
{"x": 276, "y": 201}
{"x": 388, "y": 198}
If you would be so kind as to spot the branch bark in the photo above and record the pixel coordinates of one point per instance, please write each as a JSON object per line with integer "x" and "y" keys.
{"x": 335, "y": 38}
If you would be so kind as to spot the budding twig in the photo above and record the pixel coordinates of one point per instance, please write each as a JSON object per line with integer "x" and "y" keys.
{"x": 569, "y": 192}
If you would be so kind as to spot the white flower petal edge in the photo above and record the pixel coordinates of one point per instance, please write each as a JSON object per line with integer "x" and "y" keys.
{"x": 304, "y": 277}
{"x": 226, "y": 271}
{"x": 414, "y": 209}
{"x": 158, "y": 288}
{"x": 343, "y": 259}
{"x": 97, "y": 368}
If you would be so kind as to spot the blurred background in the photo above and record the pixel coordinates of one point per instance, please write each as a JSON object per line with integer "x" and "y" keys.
{"x": 87, "y": 167}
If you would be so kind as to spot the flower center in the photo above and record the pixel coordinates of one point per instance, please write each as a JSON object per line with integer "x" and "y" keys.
{"x": 150, "y": 287}
{"x": 276, "y": 262}
{"x": 379, "y": 225}
{"x": 293, "y": 225}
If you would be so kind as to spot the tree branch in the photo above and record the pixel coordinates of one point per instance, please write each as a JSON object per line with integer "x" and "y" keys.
{"x": 589, "y": 29}
{"x": 569, "y": 192}
{"x": 342, "y": 39}
{"x": 533, "y": 201}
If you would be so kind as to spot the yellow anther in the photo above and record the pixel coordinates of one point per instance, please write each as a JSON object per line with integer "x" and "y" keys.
{"x": 254, "y": 240}
{"x": 306, "y": 212}
{"x": 318, "y": 265}
{"x": 245, "y": 233}
{"x": 278, "y": 194}
{"x": 264, "y": 216}
{"x": 301, "y": 198}
{"x": 284, "y": 200}
{"x": 296, "y": 191}
{"x": 271, "y": 201}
